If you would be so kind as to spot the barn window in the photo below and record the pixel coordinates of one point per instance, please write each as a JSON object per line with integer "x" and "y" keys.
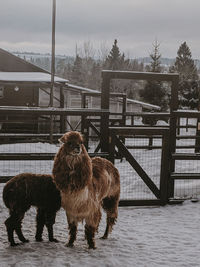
{"x": 1, "y": 91}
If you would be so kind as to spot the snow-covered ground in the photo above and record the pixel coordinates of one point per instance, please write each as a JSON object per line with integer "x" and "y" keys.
{"x": 150, "y": 237}
{"x": 143, "y": 236}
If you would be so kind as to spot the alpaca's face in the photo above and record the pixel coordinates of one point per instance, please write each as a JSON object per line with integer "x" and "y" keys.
{"x": 72, "y": 142}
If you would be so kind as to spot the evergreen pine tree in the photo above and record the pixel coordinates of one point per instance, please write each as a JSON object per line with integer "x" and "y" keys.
{"x": 154, "y": 91}
{"x": 155, "y": 56}
{"x": 116, "y": 61}
{"x": 184, "y": 63}
{"x": 188, "y": 84}
{"x": 113, "y": 60}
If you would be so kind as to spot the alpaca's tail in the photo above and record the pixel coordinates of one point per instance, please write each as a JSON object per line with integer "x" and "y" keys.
{"x": 8, "y": 195}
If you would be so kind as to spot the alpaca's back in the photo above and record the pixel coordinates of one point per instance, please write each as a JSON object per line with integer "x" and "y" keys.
{"x": 26, "y": 189}
{"x": 106, "y": 178}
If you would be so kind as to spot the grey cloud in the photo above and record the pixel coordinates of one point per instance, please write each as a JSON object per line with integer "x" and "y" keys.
{"x": 134, "y": 23}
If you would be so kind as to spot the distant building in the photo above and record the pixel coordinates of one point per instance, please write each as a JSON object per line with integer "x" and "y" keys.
{"x": 24, "y": 84}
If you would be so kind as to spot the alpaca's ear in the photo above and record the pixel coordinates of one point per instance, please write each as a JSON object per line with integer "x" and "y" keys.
{"x": 61, "y": 140}
{"x": 83, "y": 149}
{"x": 83, "y": 138}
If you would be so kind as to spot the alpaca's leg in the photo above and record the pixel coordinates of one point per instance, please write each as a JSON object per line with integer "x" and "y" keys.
{"x": 10, "y": 229}
{"x": 14, "y": 223}
{"x": 18, "y": 228}
{"x": 110, "y": 222}
{"x": 90, "y": 234}
{"x": 110, "y": 205}
{"x": 40, "y": 222}
{"x": 91, "y": 227}
{"x": 49, "y": 221}
{"x": 72, "y": 226}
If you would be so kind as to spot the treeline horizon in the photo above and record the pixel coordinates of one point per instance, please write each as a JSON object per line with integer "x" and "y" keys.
{"x": 85, "y": 70}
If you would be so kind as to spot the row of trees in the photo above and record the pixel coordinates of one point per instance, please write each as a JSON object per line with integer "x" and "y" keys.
{"x": 157, "y": 93}
{"x": 85, "y": 70}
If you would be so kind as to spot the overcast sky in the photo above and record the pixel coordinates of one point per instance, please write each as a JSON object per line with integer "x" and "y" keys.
{"x": 25, "y": 25}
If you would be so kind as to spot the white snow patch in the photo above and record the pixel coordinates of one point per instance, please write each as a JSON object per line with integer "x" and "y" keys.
{"x": 154, "y": 236}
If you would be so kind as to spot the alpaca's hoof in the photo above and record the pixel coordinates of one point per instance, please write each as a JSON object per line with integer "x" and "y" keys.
{"x": 25, "y": 240}
{"x": 104, "y": 237}
{"x": 53, "y": 240}
{"x": 70, "y": 245}
{"x": 39, "y": 239}
{"x": 14, "y": 244}
{"x": 92, "y": 247}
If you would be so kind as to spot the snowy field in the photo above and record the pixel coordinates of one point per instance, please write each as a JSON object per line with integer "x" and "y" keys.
{"x": 150, "y": 237}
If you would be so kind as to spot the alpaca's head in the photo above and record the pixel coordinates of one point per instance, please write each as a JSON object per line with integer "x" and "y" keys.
{"x": 72, "y": 142}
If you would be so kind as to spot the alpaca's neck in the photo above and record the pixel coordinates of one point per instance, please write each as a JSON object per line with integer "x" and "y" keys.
{"x": 79, "y": 171}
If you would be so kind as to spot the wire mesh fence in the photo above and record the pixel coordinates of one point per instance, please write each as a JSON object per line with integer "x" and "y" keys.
{"x": 187, "y": 142}
{"x": 13, "y": 167}
{"x": 147, "y": 151}
{"x": 132, "y": 185}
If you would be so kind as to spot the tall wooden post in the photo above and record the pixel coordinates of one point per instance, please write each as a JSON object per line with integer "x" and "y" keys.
{"x": 164, "y": 172}
{"x": 62, "y": 105}
{"x": 105, "y": 103}
{"x": 124, "y": 107}
{"x": 197, "y": 141}
{"x": 84, "y": 125}
{"x": 173, "y": 122}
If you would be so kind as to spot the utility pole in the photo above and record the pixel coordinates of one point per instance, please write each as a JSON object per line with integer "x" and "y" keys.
{"x": 53, "y": 52}
{"x": 52, "y": 66}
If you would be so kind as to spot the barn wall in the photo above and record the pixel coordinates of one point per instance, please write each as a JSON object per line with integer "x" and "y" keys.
{"x": 44, "y": 97}
{"x": 21, "y": 97}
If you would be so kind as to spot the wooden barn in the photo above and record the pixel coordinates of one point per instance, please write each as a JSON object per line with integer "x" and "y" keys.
{"x": 24, "y": 84}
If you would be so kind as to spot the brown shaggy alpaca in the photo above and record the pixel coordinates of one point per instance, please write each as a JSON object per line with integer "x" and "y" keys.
{"x": 86, "y": 186}
{"x": 25, "y": 190}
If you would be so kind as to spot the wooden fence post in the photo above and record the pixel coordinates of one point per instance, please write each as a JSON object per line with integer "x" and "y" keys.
{"x": 173, "y": 127}
{"x": 112, "y": 147}
{"x": 62, "y": 105}
{"x": 165, "y": 169}
{"x": 105, "y": 102}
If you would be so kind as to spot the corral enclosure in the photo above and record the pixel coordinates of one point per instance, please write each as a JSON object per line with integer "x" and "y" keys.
{"x": 37, "y": 156}
{"x": 132, "y": 187}
{"x": 156, "y": 163}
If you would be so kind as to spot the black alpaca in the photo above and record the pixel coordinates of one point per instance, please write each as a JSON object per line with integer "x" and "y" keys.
{"x": 26, "y": 190}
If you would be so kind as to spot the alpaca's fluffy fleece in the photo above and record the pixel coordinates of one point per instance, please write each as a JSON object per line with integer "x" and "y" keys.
{"x": 86, "y": 186}
{"x": 26, "y": 190}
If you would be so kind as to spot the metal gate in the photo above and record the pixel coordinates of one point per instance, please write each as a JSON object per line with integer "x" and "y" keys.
{"x": 144, "y": 170}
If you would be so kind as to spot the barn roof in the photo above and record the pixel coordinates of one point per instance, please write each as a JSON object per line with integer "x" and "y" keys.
{"x": 143, "y": 104}
{"x": 10, "y": 62}
{"x": 33, "y": 77}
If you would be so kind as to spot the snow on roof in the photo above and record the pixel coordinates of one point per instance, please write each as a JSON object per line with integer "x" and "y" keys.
{"x": 80, "y": 88}
{"x": 143, "y": 104}
{"x": 137, "y": 102}
{"x": 29, "y": 77}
